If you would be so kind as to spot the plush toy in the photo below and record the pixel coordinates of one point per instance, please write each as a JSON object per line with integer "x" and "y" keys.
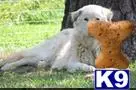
{"x": 110, "y": 35}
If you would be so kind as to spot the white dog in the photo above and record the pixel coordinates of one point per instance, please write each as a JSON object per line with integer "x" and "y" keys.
{"x": 71, "y": 49}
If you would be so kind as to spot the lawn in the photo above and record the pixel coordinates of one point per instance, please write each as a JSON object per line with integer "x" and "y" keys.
{"x": 42, "y": 79}
{"x": 18, "y": 37}
{"x": 23, "y": 36}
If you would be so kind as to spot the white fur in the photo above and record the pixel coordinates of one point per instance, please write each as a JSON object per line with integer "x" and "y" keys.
{"x": 71, "y": 49}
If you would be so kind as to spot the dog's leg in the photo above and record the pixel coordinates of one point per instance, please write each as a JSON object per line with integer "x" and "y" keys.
{"x": 12, "y": 58}
{"x": 81, "y": 67}
{"x": 24, "y": 61}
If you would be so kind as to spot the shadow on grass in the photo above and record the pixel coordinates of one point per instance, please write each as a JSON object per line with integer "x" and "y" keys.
{"x": 45, "y": 79}
{"x": 42, "y": 79}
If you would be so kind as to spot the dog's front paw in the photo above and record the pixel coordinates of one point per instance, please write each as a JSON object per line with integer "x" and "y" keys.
{"x": 92, "y": 68}
{"x": 89, "y": 76}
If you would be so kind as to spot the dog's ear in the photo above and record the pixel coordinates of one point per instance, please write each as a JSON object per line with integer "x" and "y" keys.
{"x": 75, "y": 15}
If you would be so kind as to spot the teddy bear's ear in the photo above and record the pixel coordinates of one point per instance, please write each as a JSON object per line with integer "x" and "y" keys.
{"x": 75, "y": 15}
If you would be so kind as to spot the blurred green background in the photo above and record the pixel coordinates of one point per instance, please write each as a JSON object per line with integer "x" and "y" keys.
{"x": 24, "y": 23}
{"x": 31, "y": 11}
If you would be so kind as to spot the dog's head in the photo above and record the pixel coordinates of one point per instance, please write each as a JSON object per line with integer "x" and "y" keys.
{"x": 90, "y": 12}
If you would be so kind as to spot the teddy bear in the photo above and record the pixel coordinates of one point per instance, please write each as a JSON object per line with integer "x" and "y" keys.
{"x": 110, "y": 36}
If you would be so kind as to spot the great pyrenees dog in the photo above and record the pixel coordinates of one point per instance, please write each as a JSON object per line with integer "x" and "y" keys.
{"x": 71, "y": 49}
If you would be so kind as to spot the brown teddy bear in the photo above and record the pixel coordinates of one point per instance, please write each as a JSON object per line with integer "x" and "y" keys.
{"x": 110, "y": 35}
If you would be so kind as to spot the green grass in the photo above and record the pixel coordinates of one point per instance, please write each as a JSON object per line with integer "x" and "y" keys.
{"x": 42, "y": 79}
{"x": 31, "y": 11}
{"x": 132, "y": 67}
{"x": 23, "y": 36}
